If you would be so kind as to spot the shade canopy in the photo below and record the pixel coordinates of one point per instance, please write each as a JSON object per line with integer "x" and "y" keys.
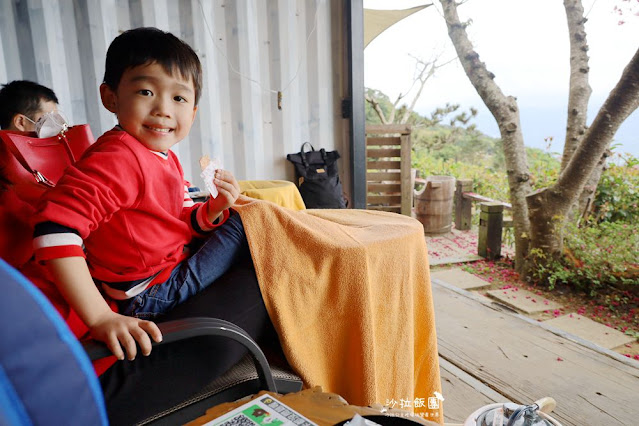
{"x": 377, "y": 21}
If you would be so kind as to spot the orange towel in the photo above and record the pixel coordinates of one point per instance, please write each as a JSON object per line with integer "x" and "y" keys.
{"x": 281, "y": 192}
{"x": 349, "y": 294}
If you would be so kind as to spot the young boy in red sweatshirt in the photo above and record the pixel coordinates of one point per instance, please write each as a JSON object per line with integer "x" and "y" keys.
{"x": 126, "y": 201}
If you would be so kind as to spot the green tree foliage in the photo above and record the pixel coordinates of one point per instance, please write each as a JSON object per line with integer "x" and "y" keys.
{"x": 599, "y": 253}
{"x": 617, "y": 198}
{"x": 447, "y": 143}
{"x": 597, "y": 256}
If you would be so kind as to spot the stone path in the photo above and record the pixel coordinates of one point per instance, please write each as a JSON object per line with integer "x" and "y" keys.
{"x": 456, "y": 247}
{"x": 460, "y": 279}
{"x": 523, "y": 300}
{"x": 593, "y": 331}
{"x": 528, "y": 303}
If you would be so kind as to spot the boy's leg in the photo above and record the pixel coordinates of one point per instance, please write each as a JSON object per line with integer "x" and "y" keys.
{"x": 136, "y": 389}
{"x": 224, "y": 247}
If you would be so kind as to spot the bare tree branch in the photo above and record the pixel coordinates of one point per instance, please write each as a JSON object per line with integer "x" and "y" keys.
{"x": 579, "y": 90}
{"x": 426, "y": 73}
{"x": 622, "y": 101}
{"x": 377, "y": 108}
{"x": 430, "y": 67}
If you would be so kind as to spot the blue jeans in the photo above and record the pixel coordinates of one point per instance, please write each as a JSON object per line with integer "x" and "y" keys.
{"x": 210, "y": 261}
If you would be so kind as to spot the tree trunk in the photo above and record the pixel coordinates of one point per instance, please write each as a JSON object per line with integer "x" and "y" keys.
{"x": 506, "y": 112}
{"x": 584, "y": 204}
{"x": 548, "y": 208}
{"x": 579, "y": 91}
{"x": 578, "y": 97}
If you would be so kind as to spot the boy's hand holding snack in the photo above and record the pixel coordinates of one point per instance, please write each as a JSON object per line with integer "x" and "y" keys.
{"x": 222, "y": 185}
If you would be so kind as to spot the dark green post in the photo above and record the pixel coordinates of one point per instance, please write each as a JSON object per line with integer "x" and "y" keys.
{"x": 463, "y": 206}
{"x": 491, "y": 219}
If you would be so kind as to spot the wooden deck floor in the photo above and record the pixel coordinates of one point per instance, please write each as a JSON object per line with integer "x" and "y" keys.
{"x": 488, "y": 355}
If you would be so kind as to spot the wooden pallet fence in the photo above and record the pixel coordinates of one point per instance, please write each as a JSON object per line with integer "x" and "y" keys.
{"x": 388, "y": 168}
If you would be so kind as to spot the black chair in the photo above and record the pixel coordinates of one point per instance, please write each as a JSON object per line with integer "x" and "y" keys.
{"x": 252, "y": 374}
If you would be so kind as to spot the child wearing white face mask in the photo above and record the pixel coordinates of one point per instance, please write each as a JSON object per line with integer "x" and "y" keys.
{"x": 23, "y": 103}
{"x": 50, "y": 124}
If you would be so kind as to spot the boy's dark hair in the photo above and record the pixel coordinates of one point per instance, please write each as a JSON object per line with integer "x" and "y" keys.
{"x": 141, "y": 46}
{"x": 22, "y": 97}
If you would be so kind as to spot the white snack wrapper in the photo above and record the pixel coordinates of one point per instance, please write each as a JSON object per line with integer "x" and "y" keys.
{"x": 208, "y": 173}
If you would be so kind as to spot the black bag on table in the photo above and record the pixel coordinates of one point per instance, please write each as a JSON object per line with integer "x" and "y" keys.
{"x": 318, "y": 178}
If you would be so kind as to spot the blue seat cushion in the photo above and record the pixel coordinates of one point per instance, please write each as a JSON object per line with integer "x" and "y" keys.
{"x": 45, "y": 376}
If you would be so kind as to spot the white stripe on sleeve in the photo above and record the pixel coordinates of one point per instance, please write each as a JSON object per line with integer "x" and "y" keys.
{"x": 56, "y": 240}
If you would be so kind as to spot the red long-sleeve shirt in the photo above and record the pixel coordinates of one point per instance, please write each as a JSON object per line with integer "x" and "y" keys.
{"x": 127, "y": 205}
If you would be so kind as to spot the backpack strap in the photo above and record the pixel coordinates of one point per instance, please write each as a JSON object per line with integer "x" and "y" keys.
{"x": 324, "y": 158}
{"x": 304, "y": 160}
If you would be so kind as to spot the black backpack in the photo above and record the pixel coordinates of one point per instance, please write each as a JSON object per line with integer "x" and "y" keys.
{"x": 318, "y": 178}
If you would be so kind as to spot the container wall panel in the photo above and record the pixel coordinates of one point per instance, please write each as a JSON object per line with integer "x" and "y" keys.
{"x": 250, "y": 51}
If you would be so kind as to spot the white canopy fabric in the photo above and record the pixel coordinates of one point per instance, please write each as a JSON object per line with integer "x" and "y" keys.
{"x": 377, "y": 21}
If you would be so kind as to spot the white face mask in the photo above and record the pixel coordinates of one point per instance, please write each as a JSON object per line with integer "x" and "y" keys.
{"x": 50, "y": 124}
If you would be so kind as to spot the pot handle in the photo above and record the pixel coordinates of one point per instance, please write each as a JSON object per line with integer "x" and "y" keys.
{"x": 546, "y": 405}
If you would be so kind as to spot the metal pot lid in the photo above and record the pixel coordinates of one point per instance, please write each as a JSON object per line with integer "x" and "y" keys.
{"x": 510, "y": 414}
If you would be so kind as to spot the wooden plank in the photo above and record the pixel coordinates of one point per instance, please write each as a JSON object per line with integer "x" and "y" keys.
{"x": 393, "y": 209}
{"x": 476, "y": 197}
{"x": 384, "y": 187}
{"x": 380, "y": 176}
{"x": 391, "y": 141}
{"x": 524, "y": 361}
{"x": 407, "y": 186}
{"x": 463, "y": 393}
{"x": 401, "y": 150}
{"x": 384, "y": 152}
{"x": 384, "y": 199}
{"x": 387, "y": 128}
{"x": 379, "y": 165}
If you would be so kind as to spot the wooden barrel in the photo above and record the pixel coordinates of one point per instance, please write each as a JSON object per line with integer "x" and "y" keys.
{"x": 434, "y": 204}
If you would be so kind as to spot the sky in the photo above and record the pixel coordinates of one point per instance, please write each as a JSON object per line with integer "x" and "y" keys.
{"x": 525, "y": 44}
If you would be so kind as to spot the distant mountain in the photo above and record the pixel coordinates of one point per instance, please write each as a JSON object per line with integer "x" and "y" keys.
{"x": 543, "y": 124}
{"x": 540, "y": 123}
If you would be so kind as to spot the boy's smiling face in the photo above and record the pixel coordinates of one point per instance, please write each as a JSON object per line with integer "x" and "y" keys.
{"x": 153, "y": 106}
